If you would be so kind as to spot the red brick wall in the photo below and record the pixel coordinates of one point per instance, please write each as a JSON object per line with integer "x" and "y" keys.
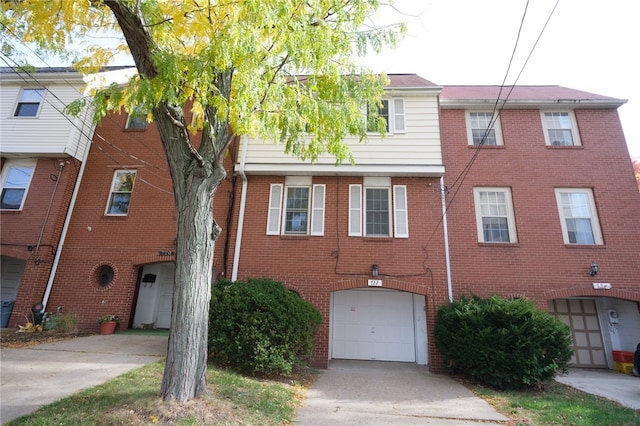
{"x": 126, "y": 243}
{"x": 315, "y": 266}
{"x": 43, "y": 212}
{"x": 540, "y": 264}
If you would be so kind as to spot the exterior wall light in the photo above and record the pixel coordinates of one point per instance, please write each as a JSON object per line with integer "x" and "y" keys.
{"x": 594, "y": 269}
{"x": 374, "y": 270}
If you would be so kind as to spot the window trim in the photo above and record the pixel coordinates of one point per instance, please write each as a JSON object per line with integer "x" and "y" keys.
{"x": 397, "y": 211}
{"x": 394, "y": 116}
{"x": 595, "y": 221}
{"x": 19, "y": 102}
{"x": 497, "y": 127}
{"x": 112, "y": 191}
{"x": 285, "y": 209}
{"x": 277, "y": 213}
{"x": 574, "y": 128}
{"x": 511, "y": 220}
{"x": 6, "y": 169}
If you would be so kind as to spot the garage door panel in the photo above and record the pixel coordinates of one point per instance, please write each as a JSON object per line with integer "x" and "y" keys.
{"x": 372, "y": 324}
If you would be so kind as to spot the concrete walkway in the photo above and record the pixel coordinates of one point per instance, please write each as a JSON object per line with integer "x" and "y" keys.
{"x": 38, "y": 375}
{"x": 621, "y": 388}
{"x": 390, "y": 393}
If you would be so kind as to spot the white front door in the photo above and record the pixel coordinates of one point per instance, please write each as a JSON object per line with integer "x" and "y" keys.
{"x": 373, "y": 324}
{"x": 166, "y": 296}
{"x": 155, "y": 296}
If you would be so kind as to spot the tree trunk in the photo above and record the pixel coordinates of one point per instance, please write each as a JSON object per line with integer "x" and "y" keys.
{"x": 195, "y": 180}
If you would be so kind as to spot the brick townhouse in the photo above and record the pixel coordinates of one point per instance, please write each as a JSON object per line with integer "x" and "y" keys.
{"x": 545, "y": 206}
{"x": 41, "y": 150}
{"x": 365, "y": 243}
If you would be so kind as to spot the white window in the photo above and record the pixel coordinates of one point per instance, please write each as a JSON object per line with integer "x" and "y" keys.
{"x": 560, "y": 128}
{"x": 120, "y": 195}
{"x": 370, "y": 209}
{"x": 29, "y": 103}
{"x": 392, "y": 112}
{"x": 302, "y": 207}
{"x": 578, "y": 216}
{"x": 494, "y": 215}
{"x": 16, "y": 178}
{"x": 483, "y": 128}
{"x": 137, "y": 119}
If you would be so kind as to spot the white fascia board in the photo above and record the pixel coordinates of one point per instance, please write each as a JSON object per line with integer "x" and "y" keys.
{"x": 346, "y": 170}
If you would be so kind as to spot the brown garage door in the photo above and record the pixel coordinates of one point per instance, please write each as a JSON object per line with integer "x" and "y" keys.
{"x": 582, "y": 316}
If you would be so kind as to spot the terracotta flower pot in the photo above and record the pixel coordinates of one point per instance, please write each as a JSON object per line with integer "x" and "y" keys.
{"x": 108, "y": 327}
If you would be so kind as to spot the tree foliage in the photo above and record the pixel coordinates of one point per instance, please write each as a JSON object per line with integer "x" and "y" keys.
{"x": 278, "y": 70}
{"x": 505, "y": 344}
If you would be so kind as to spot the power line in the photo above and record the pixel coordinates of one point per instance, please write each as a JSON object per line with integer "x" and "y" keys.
{"x": 82, "y": 132}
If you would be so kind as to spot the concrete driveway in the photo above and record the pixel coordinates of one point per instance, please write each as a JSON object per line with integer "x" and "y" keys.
{"x": 391, "y": 393}
{"x": 38, "y": 375}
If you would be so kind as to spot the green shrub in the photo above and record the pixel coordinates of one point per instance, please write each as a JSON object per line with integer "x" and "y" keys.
{"x": 260, "y": 327}
{"x": 505, "y": 344}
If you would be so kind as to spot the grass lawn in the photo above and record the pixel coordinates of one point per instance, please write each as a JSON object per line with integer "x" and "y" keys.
{"x": 132, "y": 399}
{"x": 557, "y": 404}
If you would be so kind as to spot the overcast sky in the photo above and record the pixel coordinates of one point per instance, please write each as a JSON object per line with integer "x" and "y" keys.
{"x": 589, "y": 45}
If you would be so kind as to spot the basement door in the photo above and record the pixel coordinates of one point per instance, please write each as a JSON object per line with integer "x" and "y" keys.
{"x": 11, "y": 271}
{"x": 373, "y": 324}
{"x": 155, "y": 297}
{"x": 582, "y": 316}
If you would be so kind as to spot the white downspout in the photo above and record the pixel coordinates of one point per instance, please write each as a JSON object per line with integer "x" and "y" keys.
{"x": 243, "y": 199}
{"x": 65, "y": 228}
{"x": 446, "y": 238}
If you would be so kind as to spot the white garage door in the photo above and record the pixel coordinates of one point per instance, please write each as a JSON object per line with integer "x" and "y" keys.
{"x": 373, "y": 324}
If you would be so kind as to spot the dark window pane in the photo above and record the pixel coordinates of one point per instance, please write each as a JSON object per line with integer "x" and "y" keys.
{"x": 11, "y": 198}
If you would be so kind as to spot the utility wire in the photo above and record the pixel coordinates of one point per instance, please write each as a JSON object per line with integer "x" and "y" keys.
{"x": 495, "y": 113}
{"x": 82, "y": 131}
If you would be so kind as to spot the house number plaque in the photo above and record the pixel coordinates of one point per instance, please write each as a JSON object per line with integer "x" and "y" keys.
{"x": 375, "y": 283}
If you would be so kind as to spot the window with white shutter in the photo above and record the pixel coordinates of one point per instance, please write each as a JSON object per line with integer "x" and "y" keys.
{"x": 317, "y": 210}
{"x": 355, "y": 210}
{"x": 400, "y": 217}
{"x": 275, "y": 205}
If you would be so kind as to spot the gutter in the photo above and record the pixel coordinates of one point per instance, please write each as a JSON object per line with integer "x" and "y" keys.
{"x": 446, "y": 239}
{"x": 65, "y": 228}
{"x": 243, "y": 198}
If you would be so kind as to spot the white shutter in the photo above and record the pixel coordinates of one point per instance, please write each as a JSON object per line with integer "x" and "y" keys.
{"x": 400, "y": 217}
{"x": 275, "y": 204}
{"x": 398, "y": 116}
{"x": 317, "y": 210}
{"x": 355, "y": 210}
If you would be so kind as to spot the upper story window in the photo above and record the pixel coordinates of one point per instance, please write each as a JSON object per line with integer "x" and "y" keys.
{"x": 560, "y": 128}
{"x": 137, "y": 120}
{"x": 16, "y": 178}
{"x": 483, "y": 128}
{"x": 300, "y": 211}
{"x": 495, "y": 219}
{"x": 370, "y": 209}
{"x": 392, "y": 111}
{"x": 120, "y": 194}
{"x": 578, "y": 217}
{"x": 29, "y": 103}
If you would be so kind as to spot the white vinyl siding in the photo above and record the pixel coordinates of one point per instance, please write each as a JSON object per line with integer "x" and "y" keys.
{"x": 53, "y": 133}
{"x": 560, "y": 128}
{"x": 494, "y": 215}
{"x": 578, "y": 216}
{"x": 416, "y": 152}
{"x": 275, "y": 205}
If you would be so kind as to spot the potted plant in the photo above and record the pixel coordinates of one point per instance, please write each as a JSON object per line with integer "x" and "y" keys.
{"x": 108, "y": 323}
